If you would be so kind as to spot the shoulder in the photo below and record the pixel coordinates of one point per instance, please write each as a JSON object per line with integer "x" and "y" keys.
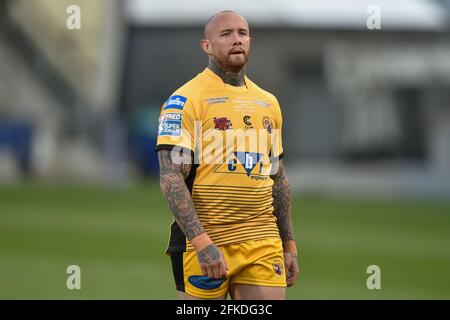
{"x": 192, "y": 90}
{"x": 266, "y": 94}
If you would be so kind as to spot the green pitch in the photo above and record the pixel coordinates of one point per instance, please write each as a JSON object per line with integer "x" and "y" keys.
{"x": 117, "y": 237}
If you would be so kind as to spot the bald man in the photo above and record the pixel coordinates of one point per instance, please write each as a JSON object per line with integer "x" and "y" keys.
{"x": 221, "y": 170}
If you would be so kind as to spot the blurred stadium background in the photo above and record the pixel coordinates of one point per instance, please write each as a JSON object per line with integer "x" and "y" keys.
{"x": 366, "y": 137}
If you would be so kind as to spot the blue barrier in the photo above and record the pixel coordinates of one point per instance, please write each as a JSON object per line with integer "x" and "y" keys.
{"x": 16, "y": 136}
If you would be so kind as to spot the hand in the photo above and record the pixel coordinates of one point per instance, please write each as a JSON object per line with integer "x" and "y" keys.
{"x": 292, "y": 268}
{"x": 212, "y": 262}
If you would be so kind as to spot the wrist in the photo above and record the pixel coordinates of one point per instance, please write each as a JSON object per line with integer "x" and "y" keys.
{"x": 201, "y": 241}
{"x": 290, "y": 247}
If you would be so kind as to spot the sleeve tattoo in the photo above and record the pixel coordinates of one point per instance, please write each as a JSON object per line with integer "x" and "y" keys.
{"x": 174, "y": 169}
{"x": 281, "y": 193}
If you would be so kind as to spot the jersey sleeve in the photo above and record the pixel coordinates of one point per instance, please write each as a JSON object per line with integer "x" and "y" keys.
{"x": 277, "y": 142}
{"x": 176, "y": 124}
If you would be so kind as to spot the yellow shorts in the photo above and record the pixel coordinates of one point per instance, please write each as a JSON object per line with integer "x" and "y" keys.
{"x": 258, "y": 262}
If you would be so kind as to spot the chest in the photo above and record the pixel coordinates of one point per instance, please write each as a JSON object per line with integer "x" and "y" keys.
{"x": 241, "y": 112}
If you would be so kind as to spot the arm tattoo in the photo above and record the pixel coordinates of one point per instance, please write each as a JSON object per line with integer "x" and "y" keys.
{"x": 210, "y": 254}
{"x": 173, "y": 172}
{"x": 281, "y": 193}
{"x": 236, "y": 79}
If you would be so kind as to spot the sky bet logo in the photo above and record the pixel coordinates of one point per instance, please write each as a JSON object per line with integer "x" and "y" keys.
{"x": 248, "y": 160}
{"x": 175, "y": 102}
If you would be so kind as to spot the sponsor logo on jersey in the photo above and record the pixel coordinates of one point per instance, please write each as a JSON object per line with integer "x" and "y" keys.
{"x": 267, "y": 124}
{"x": 175, "y": 102}
{"x": 170, "y": 124}
{"x": 222, "y": 123}
{"x": 216, "y": 100}
{"x": 247, "y": 122}
{"x": 205, "y": 282}
{"x": 170, "y": 116}
{"x": 262, "y": 103}
{"x": 248, "y": 160}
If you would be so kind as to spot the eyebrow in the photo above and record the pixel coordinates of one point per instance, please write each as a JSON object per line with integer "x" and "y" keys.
{"x": 228, "y": 30}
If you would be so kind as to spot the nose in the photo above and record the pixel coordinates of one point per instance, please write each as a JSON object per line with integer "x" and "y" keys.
{"x": 237, "y": 43}
{"x": 237, "y": 40}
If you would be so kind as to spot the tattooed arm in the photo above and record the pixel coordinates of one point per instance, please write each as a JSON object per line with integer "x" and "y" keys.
{"x": 174, "y": 169}
{"x": 281, "y": 193}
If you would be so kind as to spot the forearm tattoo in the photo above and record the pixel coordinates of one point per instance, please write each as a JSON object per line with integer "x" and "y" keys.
{"x": 236, "y": 79}
{"x": 173, "y": 173}
{"x": 281, "y": 193}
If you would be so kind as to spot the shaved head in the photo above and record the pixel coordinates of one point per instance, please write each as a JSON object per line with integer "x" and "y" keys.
{"x": 210, "y": 24}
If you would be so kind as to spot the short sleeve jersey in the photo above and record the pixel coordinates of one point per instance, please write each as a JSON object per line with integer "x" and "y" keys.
{"x": 235, "y": 134}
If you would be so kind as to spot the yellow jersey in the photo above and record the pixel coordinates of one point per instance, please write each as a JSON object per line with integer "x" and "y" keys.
{"x": 234, "y": 134}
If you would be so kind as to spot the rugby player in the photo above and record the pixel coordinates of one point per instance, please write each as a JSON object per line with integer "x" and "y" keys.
{"x": 221, "y": 171}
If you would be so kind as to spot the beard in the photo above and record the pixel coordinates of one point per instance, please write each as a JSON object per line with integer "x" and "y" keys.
{"x": 233, "y": 62}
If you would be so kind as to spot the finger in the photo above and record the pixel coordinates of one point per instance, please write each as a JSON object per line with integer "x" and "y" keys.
{"x": 223, "y": 269}
{"x": 217, "y": 271}
{"x": 210, "y": 272}
{"x": 289, "y": 281}
{"x": 292, "y": 275}
{"x": 204, "y": 270}
{"x": 225, "y": 262}
{"x": 213, "y": 272}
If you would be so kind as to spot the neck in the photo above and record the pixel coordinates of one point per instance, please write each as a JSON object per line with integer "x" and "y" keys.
{"x": 236, "y": 79}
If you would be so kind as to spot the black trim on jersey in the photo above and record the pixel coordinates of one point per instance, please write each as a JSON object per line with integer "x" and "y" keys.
{"x": 191, "y": 177}
{"x": 177, "y": 241}
{"x": 170, "y": 147}
{"x": 279, "y": 157}
{"x": 178, "y": 270}
{"x": 273, "y": 159}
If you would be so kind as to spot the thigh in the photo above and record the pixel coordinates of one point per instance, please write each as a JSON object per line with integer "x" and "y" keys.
{"x": 251, "y": 292}
{"x": 184, "y": 296}
{"x": 262, "y": 274}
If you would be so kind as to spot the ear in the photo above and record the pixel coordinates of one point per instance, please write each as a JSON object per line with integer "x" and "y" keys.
{"x": 206, "y": 46}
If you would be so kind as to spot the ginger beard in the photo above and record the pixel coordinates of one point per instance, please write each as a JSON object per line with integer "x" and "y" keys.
{"x": 234, "y": 60}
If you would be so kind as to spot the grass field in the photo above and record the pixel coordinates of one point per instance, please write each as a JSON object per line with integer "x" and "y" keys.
{"x": 118, "y": 238}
